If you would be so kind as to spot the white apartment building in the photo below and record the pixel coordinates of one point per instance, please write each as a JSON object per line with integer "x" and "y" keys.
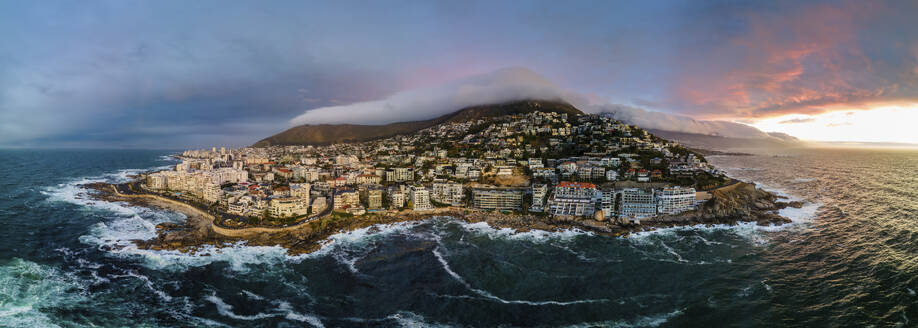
{"x": 399, "y": 174}
{"x": 318, "y": 205}
{"x": 286, "y": 207}
{"x": 448, "y": 192}
{"x": 346, "y": 198}
{"x": 374, "y": 199}
{"x": 498, "y": 199}
{"x": 675, "y": 200}
{"x": 608, "y": 203}
{"x": 211, "y": 193}
{"x": 397, "y": 199}
{"x": 638, "y": 203}
{"x": 611, "y": 175}
{"x": 539, "y": 191}
{"x": 420, "y": 197}
{"x": 574, "y": 199}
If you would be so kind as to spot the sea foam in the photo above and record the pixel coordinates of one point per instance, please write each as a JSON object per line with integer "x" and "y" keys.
{"x": 27, "y": 289}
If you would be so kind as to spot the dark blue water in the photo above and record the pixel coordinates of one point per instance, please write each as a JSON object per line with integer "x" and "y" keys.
{"x": 853, "y": 262}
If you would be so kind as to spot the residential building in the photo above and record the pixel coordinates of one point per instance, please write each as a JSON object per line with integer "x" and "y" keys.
{"x": 374, "y": 199}
{"x": 638, "y": 203}
{"x": 397, "y": 199}
{"x": 318, "y": 205}
{"x": 608, "y": 203}
{"x": 420, "y": 198}
{"x": 498, "y": 199}
{"x": 574, "y": 199}
{"x": 539, "y": 192}
{"x": 346, "y": 198}
{"x": 448, "y": 192}
{"x": 675, "y": 200}
{"x": 286, "y": 207}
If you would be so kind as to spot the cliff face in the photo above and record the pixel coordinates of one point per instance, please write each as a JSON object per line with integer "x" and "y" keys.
{"x": 325, "y": 134}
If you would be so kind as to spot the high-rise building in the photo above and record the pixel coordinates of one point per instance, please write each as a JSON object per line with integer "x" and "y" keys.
{"x": 374, "y": 199}
{"x": 539, "y": 191}
{"x": 574, "y": 199}
{"x": 608, "y": 203}
{"x": 448, "y": 192}
{"x": 675, "y": 200}
{"x": 638, "y": 203}
{"x": 420, "y": 197}
{"x": 498, "y": 199}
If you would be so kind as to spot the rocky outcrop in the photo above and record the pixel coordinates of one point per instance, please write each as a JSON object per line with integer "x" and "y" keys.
{"x": 739, "y": 202}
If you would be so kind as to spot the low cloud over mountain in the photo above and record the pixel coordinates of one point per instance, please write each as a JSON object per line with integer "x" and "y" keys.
{"x": 502, "y": 86}
{"x": 419, "y": 104}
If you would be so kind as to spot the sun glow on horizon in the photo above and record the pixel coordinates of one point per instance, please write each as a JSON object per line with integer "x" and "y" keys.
{"x": 882, "y": 124}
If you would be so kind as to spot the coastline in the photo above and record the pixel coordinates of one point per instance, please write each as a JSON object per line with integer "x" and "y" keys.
{"x": 738, "y": 203}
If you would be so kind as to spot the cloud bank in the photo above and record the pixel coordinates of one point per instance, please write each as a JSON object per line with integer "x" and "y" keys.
{"x": 502, "y": 86}
{"x": 677, "y": 123}
{"x": 430, "y": 102}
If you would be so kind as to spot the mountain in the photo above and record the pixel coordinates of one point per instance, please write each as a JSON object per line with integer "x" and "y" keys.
{"x": 325, "y": 134}
{"x": 774, "y": 140}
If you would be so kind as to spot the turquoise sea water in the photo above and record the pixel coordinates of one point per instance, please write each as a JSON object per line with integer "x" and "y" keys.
{"x": 850, "y": 259}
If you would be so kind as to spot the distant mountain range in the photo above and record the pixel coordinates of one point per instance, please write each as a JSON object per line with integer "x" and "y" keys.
{"x": 325, "y": 134}
{"x": 714, "y": 142}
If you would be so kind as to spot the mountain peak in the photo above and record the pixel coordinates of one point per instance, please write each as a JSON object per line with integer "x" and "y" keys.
{"x": 324, "y": 134}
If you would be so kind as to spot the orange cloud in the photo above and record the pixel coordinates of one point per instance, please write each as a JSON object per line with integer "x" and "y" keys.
{"x": 802, "y": 62}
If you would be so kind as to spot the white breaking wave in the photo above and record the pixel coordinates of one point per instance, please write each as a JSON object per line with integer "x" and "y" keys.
{"x": 402, "y": 318}
{"x": 28, "y": 288}
{"x": 804, "y": 214}
{"x": 227, "y": 310}
{"x": 364, "y": 237}
{"x": 284, "y": 309}
{"x": 149, "y": 284}
{"x": 537, "y": 236}
{"x": 642, "y": 321}
{"x": 490, "y": 296}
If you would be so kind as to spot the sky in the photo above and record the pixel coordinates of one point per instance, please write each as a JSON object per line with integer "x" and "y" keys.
{"x": 187, "y": 74}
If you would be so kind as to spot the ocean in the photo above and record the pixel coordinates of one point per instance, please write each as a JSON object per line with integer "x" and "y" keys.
{"x": 849, "y": 259}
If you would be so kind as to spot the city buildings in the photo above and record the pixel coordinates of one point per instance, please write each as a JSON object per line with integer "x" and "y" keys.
{"x": 497, "y": 161}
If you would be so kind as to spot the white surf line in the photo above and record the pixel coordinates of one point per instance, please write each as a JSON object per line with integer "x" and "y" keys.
{"x": 284, "y": 309}
{"x": 149, "y": 285}
{"x": 490, "y": 296}
{"x": 673, "y": 252}
{"x": 227, "y": 310}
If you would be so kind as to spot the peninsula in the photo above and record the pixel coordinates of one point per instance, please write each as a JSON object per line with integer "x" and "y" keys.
{"x": 520, "y": 165}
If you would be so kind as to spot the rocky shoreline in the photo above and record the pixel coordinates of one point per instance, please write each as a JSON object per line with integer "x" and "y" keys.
{"x": 741, "y": 202}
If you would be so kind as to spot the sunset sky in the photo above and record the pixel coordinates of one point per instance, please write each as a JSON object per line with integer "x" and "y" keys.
{"x": 199, "y": 73}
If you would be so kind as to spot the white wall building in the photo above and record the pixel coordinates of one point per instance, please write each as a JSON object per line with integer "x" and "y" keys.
{"x": 638, "y": 203}
{"x": 675, "y": 200}
{"x": 420, "y": 198}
